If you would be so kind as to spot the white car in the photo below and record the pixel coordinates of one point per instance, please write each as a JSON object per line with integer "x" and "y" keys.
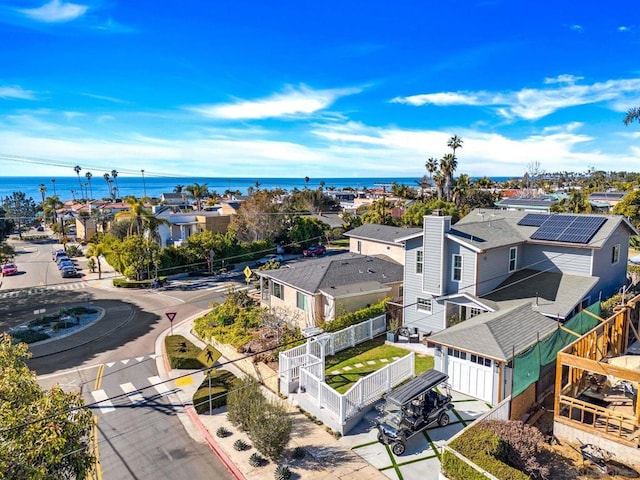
{"x": 270, "y": 258}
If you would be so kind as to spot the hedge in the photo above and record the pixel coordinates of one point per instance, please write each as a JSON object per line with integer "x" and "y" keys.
{"x": 125, "y": 283}
{"x": 182, "y": 353}
{"x": 484, "y": 449}
{"x": 348, "y": 319}
{"x": 221, "y": 382}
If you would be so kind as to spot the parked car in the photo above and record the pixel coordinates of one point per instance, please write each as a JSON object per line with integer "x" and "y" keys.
{"x": 314, "y": 251}
{"x": 69, "y": 272}
{"x": 270, "y": 258}
{"x": 66, "y": 264}
{"x": 62, "y": 258}
{"x": 9, "y": 269}
{"x": 57, "y": 252}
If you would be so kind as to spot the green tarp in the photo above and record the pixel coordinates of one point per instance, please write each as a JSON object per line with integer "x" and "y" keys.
{"x": 526, "y": 366}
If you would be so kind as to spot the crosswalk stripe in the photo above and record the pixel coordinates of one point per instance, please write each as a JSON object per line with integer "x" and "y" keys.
{"x": 160, "y": 386}
{"x": 104, "y": 404}
{"x": 131, "y": 391}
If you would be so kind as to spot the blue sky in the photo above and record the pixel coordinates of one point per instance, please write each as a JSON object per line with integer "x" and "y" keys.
{"x": 326, "y": 89}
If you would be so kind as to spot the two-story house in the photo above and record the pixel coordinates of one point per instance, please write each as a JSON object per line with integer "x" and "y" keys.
{"x": 374, "y": 239}
{"x": 512, "y": 270}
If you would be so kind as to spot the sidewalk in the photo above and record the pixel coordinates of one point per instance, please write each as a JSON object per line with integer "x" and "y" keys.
{"x": 326, "y": 458}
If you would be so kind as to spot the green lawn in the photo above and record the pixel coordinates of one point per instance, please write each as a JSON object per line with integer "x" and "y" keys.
{"x": 362, "y": 353}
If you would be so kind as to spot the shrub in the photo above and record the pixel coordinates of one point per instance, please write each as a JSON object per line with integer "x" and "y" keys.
{"x": 222, "y": 432}
{"x": 271, "y": 432}
{"x": 240, "y": 445}
{"x": 256, "y": 460}
{"x": 344, "y": 321}
{"x": 282, "y": 473}
{"x": 299, "y": 453}
{"x": 28, "y": 336}
{"x": 244, "y": 403}
{"x": 125, "y": 283}
{"x": 181, "y": 352}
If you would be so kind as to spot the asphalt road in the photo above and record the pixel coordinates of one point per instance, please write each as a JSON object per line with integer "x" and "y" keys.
{"x": 141, "y": 439}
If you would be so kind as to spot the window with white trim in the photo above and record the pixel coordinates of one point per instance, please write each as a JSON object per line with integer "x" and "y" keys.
{"x": 474, "y": 312}
{"x": 615, "y": 254}
{"x": 277, "y": 290}
{"x": 301, "y": 301}
{"x": 456, "y": 268}
{"x": 424, "y": 305}
{"x": 513, "y": 258}
{"x": 419, "y": 260}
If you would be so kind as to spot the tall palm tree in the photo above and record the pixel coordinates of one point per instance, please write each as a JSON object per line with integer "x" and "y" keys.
{"x": 448, "y": 165}
{"x": 77, "y": 169}
{"x": 439, "y": 180}
{"x": 454, "y": 143}
{"x": 461, "y": 188}
{"x": 89, "y": 176}
{"x": 53, "y": 182}
{"x": 144, "y": 184}
{"x": 431, "y": 165}
{"x": 632, "y": 114}
{"x": 178, "y": 188}
{"x": 97, "y": 250}
{"x": 107, "y": 178}
{"x": 73, "y": 194}
{"x": 43, "y": 190}
{"x": 51, "y": 206}
{"x": 198, "y": 192}
{"x": 306, "y": 182}
{"x": 114, "y": 175}
{"x": 141, "y": 219}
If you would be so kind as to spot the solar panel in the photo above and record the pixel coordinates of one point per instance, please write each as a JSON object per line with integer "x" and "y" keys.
{"x": 533, "y": 219}
{"x": 568, "y": 229}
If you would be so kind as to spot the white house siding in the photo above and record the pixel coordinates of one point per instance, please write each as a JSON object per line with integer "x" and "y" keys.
{"x": 551, "y": 258}
{"x": 612, "y": 276}
{"x": 370, "y": 247}
{"x": 434, "y": 250}
{"x": 467, "y": 283}
{"x": 493, "y": 268}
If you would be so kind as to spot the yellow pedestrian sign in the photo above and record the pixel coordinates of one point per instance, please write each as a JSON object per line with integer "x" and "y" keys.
{"x": 209, "y": 356}
{"x": 247, "y": 273}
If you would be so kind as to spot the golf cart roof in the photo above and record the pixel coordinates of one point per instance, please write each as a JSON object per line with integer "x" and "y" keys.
{"x": 415, "y": 387}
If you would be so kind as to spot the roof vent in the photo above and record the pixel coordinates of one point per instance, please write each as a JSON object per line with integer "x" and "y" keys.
{"x": 370, "y": 271}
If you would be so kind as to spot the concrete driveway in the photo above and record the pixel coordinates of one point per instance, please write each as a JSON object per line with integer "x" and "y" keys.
{"x": 422, "y": 457}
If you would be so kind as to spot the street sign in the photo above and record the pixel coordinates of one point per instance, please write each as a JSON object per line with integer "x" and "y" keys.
{"x": 209, "y": 356}
{"x": 171, "y": 315}
{"x": 247, "y": 272}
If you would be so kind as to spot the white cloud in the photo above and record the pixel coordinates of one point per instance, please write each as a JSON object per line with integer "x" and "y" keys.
{"x": 576, "y": 27}
{"x": 623, "y": 28}
{"x": 292, "y": 102}
{"x": 104, "y": 97}
{"x": 532, "y": 104}
{"x": 55, "y": 12}
{"x": 16, "y": 92}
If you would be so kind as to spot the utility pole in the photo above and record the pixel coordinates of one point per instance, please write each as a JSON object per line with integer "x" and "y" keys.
{"x": 144, "y": 184}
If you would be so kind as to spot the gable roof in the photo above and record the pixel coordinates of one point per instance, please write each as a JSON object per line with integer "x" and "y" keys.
{"x": 172, "y": 195}
{"x": 329, "y": 273}
{"x": 498, "y": 335}
{"x": 381, "y": 233}
{"x": 551, "y": 293}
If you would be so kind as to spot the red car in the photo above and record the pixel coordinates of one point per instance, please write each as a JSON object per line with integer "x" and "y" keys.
{"x": 314, "y": 251}
{"x": 9, "y": 269}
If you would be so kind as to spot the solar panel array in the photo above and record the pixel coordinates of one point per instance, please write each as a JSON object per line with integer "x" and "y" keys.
{"x": 563, "y": 228}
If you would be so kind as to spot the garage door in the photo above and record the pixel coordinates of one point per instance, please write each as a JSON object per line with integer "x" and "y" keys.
{"x": 474, "y": 378}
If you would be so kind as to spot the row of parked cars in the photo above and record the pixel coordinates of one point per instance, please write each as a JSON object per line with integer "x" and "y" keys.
{"x": 66, "y": 266}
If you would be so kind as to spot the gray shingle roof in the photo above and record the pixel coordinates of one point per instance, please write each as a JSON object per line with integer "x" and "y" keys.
{"x": 550, "y": 293}
{"x": 488, "y": 234}
{"x": 337, "y": 271}
{"x": 381, "y": 233}
{"x": 498, "y": 334}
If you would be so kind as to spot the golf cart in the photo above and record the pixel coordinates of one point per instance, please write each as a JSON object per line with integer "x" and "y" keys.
{"x": 413, "y": 407}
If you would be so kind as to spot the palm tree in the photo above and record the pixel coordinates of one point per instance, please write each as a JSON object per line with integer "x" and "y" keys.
{"x": 632, "y": 114}
{"x": 306, "y": 182}
{"x": 144, "y": 184}
{"x": 114, "y": 175}
{"x": 43, "y": 190}
{"x": 454, "y": 143}
{"x": 89, "y": 176}
{"x": 101, "y": 216}
{"x": 107, "y": 179}
{"x": 97, "y": 250}
{"x": 198, "y": 192}
{"x": 448, "y": 165}
{"x": 53, "y": 182}
{"x": 178, "y": 188}
{"x": 439, "y": 180}
{"x": 77, "y": 169}
{"x": 51, "y": 206}
{"x": 432, "y": 166}
{"x": 461, "y": 188}
{"x": 73, "y": 194}
{"x": 141, "y": 219}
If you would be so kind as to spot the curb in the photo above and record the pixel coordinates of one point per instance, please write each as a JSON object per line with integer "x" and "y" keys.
{"x": 229, "y": 465}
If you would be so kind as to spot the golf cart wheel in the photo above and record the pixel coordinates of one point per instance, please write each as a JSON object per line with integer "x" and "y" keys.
{"x": 443, "y": 419}
{"x": 398, "y": 448}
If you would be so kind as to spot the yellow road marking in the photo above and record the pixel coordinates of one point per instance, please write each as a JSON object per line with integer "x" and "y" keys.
{"x": 98, "y": 383}
{"x": 183, "y": 381}
{"x": 95, "y": 472}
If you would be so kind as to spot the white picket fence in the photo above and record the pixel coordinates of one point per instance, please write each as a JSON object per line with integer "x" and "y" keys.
{"x": 365, "y": 391}
{"x": 291, "y": 360}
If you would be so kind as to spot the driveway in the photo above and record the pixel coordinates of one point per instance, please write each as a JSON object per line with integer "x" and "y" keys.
{"x": 422, "y": 457}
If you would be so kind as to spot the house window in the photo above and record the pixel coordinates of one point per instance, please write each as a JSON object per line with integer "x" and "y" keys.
{"x": 456, "y": 274}
{"x": 301, "y": 301}
{"x": 615, "y": 254}
{"x": 359, "y": 247}
{"x": 452, "y": 352}
{"x": 513, "y": 258}
{"x": 419, "y": 260}
{"x": 474, "y": 312}
{"x": 401, "y": 291}
{"x": 277, "y": 290}
{"x": 424, "y": 304}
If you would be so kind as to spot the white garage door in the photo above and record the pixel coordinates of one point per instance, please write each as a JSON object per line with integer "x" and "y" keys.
{"x": 470, "y": 374}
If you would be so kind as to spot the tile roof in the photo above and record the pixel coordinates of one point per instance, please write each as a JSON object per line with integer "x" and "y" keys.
{"x": 381, "y": 233}
{"x": 335, "y": 271}
{"x": 498, "y": 334}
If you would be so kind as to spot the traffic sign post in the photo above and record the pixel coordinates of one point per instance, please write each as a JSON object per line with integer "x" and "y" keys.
{"x": 209, "y": 356}
{"x": 247, "y": 273}
{"x": 171, "y": 316}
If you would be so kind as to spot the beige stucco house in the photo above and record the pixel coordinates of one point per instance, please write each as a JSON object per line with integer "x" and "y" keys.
{"x": 372, "y": 239}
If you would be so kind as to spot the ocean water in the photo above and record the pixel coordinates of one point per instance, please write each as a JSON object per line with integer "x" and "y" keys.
{"x": 68, "y": 187}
